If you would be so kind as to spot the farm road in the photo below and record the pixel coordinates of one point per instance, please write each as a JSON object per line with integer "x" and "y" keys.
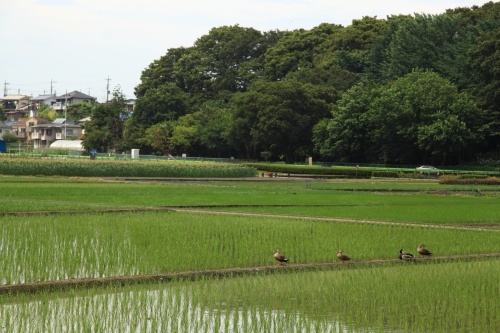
{"x": 336, "y": 219}
{"x": 212, "y": 210}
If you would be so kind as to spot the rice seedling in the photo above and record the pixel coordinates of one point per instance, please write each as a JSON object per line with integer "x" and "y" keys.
{"x": 65, "y": 246}
{"x": 458, "y": 297}
{"x": 277, "y": 198}
{"x": 398, "y": 297}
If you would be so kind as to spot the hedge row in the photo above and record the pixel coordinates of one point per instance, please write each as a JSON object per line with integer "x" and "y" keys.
{"x": 310, "y": 170}
{"x": 455, "y": 180}
{"x": 87, "y": 168}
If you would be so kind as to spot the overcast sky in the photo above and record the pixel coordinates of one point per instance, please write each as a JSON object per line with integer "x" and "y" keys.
{"x": 78, "y": 44}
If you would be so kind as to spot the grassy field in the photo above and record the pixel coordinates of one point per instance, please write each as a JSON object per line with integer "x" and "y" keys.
{"x": 87, "y": 228}
{"x": 453, "y": 297}
{"x": 411, "y": 201}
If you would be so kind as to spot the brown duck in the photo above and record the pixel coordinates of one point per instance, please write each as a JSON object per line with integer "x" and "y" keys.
{"x": 423, "y": 251}
{"x": 342, "y": 257}
{"x": 279, "y": 257}
{"x": 405, "y": 256}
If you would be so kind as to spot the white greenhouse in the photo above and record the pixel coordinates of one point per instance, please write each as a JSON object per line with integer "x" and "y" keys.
{"x": 68, "y": 144}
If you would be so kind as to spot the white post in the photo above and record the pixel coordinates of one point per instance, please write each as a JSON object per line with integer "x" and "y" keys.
{"x": 65, "y": 115}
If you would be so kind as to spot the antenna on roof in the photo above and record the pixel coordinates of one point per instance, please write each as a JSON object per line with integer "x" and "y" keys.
{"x": 5, "y": 88}
{"x": 107, "y": 89}
{"x": 51, "y": 82}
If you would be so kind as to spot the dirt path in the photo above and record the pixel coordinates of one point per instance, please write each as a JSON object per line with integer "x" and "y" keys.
{"x": 337, "y": 219}
{"x": 62, "y": 285}
{"x": 203, "y": 210}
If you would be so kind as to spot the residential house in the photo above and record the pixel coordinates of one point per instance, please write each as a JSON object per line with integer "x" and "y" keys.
{"x": 15, "y": 106}
{"x": 44, "y": 134}
{"x": 82, "y": 122}
{"x": 37, "y": 102}
{"x": 24, "y": 128}
{"x": 130, "y": 106}
{"x": 71, "y": 98}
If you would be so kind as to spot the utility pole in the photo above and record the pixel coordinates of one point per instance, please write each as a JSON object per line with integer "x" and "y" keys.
{"x": 5, "y": 88}
{"x": 107, "y": 89}
{"x": 65, "y": 114}
{"x": 51, "y": 82}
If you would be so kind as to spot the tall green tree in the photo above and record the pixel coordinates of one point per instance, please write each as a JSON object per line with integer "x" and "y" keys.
{"x": 163, "y": 71}
{"x": 484, "y": 56}
{"x": 346, "y": 137}
{"x": 296, "y": 51}
{"x": 435, "y": 42}
{"x": 184, "y": 135}
{"x": 285, "y": 114}
{"x": 214, "y": 119}
{"x": 228, "y": 58}
{"x": 79, "y": 111}
{"x": 157, "y": 105}
{"x": 104, "y": 132}
{"x": 46, "y": 112}
{"x": 410, "y": 113}
{"x": 158, "y": 137}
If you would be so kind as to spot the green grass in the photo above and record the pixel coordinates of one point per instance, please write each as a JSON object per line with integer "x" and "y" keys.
{"x": 419, "y": 203}
{"x": 417, "y": 208}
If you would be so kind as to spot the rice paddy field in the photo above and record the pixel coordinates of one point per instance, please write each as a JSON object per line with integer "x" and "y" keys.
{"x": 137, "y": 255}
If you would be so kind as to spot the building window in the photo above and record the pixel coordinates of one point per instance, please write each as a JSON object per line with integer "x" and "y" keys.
{"x": 31, "y": 124}
{"x": 69, "y": 132}
{"x": 49, "y": 132}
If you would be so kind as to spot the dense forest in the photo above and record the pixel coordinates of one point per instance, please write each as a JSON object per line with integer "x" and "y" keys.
{"x": 401, "y": 90}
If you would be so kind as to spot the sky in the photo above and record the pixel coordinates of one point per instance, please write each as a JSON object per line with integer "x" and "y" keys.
{"x": 85, "y": 45}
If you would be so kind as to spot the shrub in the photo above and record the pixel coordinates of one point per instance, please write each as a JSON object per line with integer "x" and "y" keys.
{"x": 385, "y": 174}
{"x": 457, "y": 180}
{"x": 310, "y": 170}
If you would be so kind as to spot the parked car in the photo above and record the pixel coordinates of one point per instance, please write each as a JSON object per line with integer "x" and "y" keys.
{"x": 428, "y": 169}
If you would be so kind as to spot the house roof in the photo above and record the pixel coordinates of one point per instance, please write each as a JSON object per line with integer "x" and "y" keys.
{"x": 43, "y": 97}
{"x": 13, "y": 97}
{"x": 52, "y": 125}
{"x": 39, "y": 120}
{"x": 19, "y": 123}
{"x": 75, "y": 94}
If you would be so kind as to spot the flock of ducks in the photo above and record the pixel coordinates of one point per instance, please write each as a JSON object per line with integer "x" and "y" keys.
{"x": 343, "y": 257}
{"x": 408, "y": 256}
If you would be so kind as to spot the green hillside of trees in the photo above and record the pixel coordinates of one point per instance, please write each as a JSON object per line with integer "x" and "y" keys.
{"x": 422, "y": 89}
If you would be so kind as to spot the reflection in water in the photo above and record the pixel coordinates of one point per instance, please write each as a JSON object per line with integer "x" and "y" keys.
{"x": 161, "y": 310}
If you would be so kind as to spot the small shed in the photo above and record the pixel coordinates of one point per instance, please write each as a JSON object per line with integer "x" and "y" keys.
{"x": 3, "y": 146}
{"x": 68, "y": 144}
